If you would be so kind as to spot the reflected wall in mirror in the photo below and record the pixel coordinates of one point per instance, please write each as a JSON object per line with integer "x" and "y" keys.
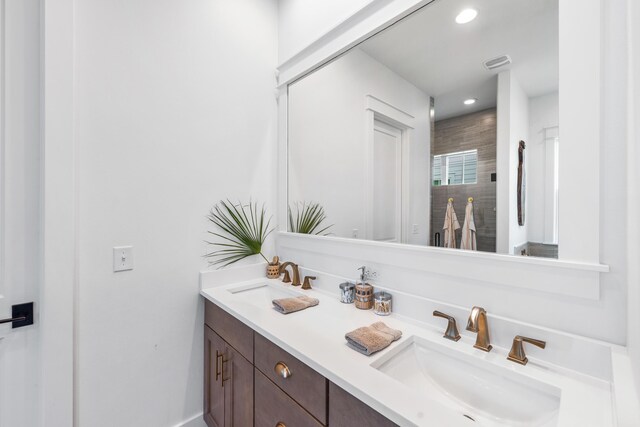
{"x": 430, "y": 110}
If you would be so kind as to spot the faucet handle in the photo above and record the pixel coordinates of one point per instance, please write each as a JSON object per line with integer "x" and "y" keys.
{"x": 452, "y": 329}
{"x": 517, "y": 353}
{"x": 286, "y": 278}
{"x": 307, "y": 282}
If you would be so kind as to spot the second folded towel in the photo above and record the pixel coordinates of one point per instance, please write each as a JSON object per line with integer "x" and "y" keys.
{"x": 290, "y": 305}
{"x": 370, "y": 339}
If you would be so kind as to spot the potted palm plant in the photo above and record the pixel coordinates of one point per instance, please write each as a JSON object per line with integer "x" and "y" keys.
{"x": 242, "y": 229}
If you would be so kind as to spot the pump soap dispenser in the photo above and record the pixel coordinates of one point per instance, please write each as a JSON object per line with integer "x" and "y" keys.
{"x": 364, "y": 291}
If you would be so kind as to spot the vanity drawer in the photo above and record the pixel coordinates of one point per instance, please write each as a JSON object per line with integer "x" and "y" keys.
{"x": 304, "y": 385}
{"x": 274, "y": 408}
{"x": 230, "y": 329}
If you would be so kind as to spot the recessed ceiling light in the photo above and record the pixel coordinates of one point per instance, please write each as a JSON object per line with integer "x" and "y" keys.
{"x": 470, "y": 101}
{"x": 466, "y": 16}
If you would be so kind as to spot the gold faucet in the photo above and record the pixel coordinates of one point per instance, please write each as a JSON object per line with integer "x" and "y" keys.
{"x": 294, "y": 269}
{"x": 478, "y": 323}
{"x": 517, "y": 349}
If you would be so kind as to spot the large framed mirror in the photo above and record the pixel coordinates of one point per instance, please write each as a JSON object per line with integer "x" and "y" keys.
{"x": 414, "y": 135}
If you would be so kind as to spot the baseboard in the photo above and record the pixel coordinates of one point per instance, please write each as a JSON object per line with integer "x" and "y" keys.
{"x": 195, "y": 421}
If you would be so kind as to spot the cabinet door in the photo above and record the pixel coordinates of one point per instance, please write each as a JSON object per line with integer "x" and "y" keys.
{"x": 237, "y": 383}
{"x": 345, "y": 410}
{"x": 214, "y": 394}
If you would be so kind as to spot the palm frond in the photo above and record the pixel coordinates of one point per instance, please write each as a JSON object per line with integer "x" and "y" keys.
{"x": 308, "y": 219}
{"x": 242, "y": 228}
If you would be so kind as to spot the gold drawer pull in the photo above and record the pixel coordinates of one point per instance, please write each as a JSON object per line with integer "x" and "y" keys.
{"x": 281, "y": 424}
{"x": 282, "y": 370}
{"x": 219, "y": 357}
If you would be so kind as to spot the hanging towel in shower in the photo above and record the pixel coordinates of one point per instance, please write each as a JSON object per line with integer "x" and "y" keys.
{"x": 451, "y": 224}
{"x": 468, "y": 230}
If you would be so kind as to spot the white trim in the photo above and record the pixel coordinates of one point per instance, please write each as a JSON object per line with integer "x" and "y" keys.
{"x": 502, "y": 258}
{"x": 579, "y": 153}
{"x": 372, "y": 18}
{"x": 394, "y": 115}
{"x": 57, "y": 293}
{"x": 574, "y": 279}
{"x": 283, "y": 159}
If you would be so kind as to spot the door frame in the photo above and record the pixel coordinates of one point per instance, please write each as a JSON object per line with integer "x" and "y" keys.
{"x": 59, "y": 215}
{"x": 379, "y": 110}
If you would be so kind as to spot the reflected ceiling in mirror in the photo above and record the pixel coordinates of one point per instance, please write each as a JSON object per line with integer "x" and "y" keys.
{"x": 413, "y": 136}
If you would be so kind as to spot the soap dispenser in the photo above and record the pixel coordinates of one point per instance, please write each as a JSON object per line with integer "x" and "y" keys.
{"x": 364, "y": 291}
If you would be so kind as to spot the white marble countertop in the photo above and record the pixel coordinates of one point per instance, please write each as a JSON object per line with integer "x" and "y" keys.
{"x": 316, "y": 337}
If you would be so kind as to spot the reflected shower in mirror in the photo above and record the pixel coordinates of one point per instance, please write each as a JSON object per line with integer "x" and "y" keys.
{"x": 415, "y": 133}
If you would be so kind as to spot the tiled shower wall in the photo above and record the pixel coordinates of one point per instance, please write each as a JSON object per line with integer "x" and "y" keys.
{"x": 471, "y": 131}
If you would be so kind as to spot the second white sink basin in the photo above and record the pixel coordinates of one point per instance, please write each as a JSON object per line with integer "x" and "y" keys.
{"x": 490, "y": 395}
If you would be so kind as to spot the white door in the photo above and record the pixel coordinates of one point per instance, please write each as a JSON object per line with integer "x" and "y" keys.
{"x": 387, "y": 183}
{"x": 20, "y": 259}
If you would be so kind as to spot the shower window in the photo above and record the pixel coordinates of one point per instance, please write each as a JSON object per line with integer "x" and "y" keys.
{"x": 455, "y": 168}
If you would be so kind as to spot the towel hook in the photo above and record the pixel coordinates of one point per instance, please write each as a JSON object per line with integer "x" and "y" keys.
{"x": 470, "y": 199}
{"x": 450, "y": 199}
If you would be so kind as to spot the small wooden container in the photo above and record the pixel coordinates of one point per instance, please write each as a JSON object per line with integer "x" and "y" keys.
{"x": 273, "y": 271}
{"x": 364, "y": 296}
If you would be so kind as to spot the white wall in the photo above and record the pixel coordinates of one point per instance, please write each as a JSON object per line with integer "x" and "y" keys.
{"x": 513, "y": 127}
{"x": 175, "y": 109}
{"x": 603, "y": 319}
{"x": 543, "y": 113}
{"x": 633, "y": 190}
{"x": 328, "y": 145}
{"x": 302, "y": 22}
{"x": 59, "y": 222}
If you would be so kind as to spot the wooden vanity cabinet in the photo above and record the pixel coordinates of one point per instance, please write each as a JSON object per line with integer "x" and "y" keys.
{"x": 244, "y": 384}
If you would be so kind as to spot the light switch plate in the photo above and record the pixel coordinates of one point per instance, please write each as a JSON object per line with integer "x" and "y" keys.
{"x": 122, "y": 258}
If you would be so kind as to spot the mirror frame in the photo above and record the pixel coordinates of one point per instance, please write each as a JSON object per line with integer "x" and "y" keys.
{"x": 578, "y": 263}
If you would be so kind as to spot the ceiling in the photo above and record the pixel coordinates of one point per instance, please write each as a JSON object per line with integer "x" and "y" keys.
{"x": 445, "y": 59}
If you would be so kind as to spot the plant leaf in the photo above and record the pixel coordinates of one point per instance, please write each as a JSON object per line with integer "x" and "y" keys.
{"x": 243, "y": 231}
{"x": 308, "y": 219}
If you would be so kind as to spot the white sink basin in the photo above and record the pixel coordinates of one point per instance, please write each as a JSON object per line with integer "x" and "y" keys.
{"x": 489, "y": 394}
{"x": 261, "y": 294}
